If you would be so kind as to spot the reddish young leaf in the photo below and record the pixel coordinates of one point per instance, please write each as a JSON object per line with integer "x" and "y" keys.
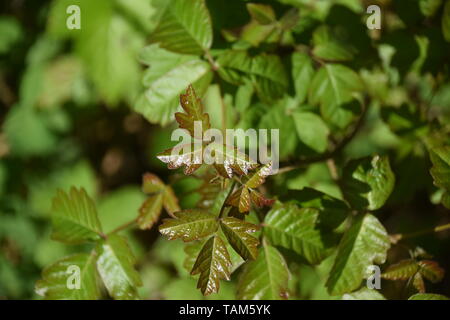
{"x": 184, "y": 155}
{"x": 192, "y": 105}
{"x": 238, "y": 233}
{"x": 240, "y": 199}
{"x": 402, "y": 270}
{"x": 151, "y": 184}
{"x": 189, "y": 225}
{"x": 150, "y": 211}
{"x": 213, "y": 264}
{"x": 160, "y": 196}
{"x": 259, "y": 177}
{"x": 431, "y": 270}
{"x": 418, "y": 282}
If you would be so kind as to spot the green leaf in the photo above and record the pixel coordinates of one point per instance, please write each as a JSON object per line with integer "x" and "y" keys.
{"x": 151, "y": 184}
{"x": 328, "y": 46}
{"x": 266, "y": 72}
{"x": 302, "y": 74}
{"x": 185, "y": 27}
{"x": 160, "y": 62}
{"x": 265, "y": 278}
{"x": 440, "y": 157}
{"x": 262, "y": 13}
{"x": 150, "y": 211}
{"x": 311, "y": 130}
{"x": 429, "y": 7}
{"x": 431, "y": 270}
{"x": 428, "y": 296}
{"x": 365, "y": 243}
{"x": 192, "y": 105}
{"x": 364, "y": 294}
{"x": 446, "y": 21}
{"x": 169, "y": 75}
{"x": 332, "y": 211}
{"x": 296, "y": 229}
{"x": 11, "y": 32}
{"x": 74, "y": 217}
{"x": 108, "y": 45}
{"x": 238, "y": 233}
{"x": 402, "y": 270}
{"x": 213, "y": 264}
{"x": 333, "y": 88}
{"x": 190, "y": 225}
{"x": 368, "y": 182}
{"x": 115, "y": 265}
{"x": 418, "y": 283}
{"x": 160, "y": 196}
{"x": 59, "y": 280}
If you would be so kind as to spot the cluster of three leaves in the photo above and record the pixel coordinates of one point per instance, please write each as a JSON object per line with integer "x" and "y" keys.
{"x": 213, "y": 262}
{"x": 75, "y": 220}
{"x": 416, "y": 271}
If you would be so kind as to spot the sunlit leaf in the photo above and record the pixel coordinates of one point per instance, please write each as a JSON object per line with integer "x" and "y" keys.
{"x": 262, "y": 13}
{"x": 265, "y": 278}
{"x": 115, "y": 264}
{"x": 266, "y": 72}
{"x": 302, "y": 74}
{"x": 160, "y": 99}
{"x": 311, "y": 130}
{"x": 364, "y": 294}
{"x": 60, "y": 280}
{"x": 368, "y": 182}
{"x": 333, "y": 88}
{"x": 328, "y": 46}
{"x": 296, "y": 229}
{"x": 74, "y": 217}
{"x": 365, "y": 243}
{"x": 402, "y": 270}
{"x": 185, "y": 27}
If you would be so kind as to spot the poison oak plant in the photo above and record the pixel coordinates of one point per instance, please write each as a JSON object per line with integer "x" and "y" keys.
{"x": 324, "y": 80}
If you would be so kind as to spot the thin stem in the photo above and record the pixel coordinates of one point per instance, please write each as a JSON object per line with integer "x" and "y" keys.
{"x": 294, "y": 164}
{"x": 222, "y": 210}
{"x": 223, "y": 112}
{"x": 123, "y": 226}
{"x": 397, "y": 237}
{"x": 211, "y": 61}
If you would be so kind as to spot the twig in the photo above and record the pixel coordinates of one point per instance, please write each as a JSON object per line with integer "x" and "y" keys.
{"x": 294, "y": 164}
{"x": 123, "y": 226}
{"x": 222, "y": 210}
{"x": 397, "y": 237}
